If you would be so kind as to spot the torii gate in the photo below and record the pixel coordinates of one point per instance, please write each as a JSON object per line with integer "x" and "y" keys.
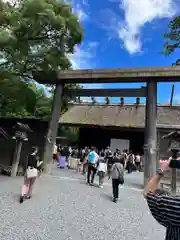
{"x": 150, "y": 75}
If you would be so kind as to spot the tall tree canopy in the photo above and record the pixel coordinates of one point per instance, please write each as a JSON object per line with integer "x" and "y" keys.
{"x": 34, "y": 36}
{"x": 173, "y": 36}
{"x": 37, "y": 36}
{"x": 19, "y": 98}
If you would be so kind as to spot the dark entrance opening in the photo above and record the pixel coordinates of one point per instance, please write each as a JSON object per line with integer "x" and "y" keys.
{"x": 101, "y": 137}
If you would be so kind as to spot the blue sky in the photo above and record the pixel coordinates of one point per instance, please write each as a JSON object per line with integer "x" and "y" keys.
{"x": 125, "y": 33}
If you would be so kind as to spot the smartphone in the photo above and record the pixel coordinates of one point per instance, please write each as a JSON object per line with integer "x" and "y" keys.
{"x": 175, "y": 164}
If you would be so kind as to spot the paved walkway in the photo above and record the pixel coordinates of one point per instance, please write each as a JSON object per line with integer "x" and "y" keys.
{"x": 65, "y": 208}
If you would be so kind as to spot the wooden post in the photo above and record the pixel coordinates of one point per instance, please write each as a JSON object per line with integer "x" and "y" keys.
{"x": 173, "y": 181}
{"x": 174, "y": 172}
{"x": 172, "y": 95}
{"x": 150, "y": 131}
{"x": 53, "y": 127}
{"x": 16, "y": 158}
{"x": 158, "y": 155}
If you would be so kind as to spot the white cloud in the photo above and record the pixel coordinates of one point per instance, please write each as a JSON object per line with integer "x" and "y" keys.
{"x": 83, "y": 56}
{"x": 82, "y": 15}
{"x": 136, "y": 15}
{"x": 79, "y": 7}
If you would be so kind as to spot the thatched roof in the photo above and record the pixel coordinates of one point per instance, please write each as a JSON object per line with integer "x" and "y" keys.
{"x": 120, "y": 116}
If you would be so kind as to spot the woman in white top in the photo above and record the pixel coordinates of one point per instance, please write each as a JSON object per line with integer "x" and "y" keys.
{"x": 102, "y": 169}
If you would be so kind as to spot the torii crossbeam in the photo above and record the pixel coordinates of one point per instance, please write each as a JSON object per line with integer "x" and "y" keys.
{"x": 150, "y": 75}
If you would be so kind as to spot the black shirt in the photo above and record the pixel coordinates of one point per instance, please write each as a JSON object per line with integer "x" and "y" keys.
{"x": 166, "y": 210}
{"x": 32, "y": 161}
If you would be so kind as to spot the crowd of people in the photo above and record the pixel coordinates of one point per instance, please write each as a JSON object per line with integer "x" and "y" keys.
{"x": 104, "y": 162}
{"x": 88, "y": 161}
{"x": 63, "y": 155}
{"x": 163, "y": 205}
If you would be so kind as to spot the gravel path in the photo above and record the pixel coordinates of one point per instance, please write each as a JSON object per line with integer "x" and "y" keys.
{"x": 65, "y": 208}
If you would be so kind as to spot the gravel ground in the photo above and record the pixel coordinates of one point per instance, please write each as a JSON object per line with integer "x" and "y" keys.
{"x": 65, "y": 208}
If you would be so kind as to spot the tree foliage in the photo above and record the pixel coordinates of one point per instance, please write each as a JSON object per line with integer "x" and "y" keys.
{"x": 173, "y": 36}
{"x": 71, "y": 133}
{"x": 37, "y": 36}
{"x": 18, "y": 99}
{"x": 34, "y": 36}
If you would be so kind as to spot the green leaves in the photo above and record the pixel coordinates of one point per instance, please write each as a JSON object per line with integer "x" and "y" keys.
{"x": 172, "y": 37}
{"x": 19, "y": 98}
{"x": 34, "y": 36}
{"x": 38, "y": 35}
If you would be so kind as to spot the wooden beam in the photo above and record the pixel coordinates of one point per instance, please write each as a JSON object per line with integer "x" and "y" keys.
{"x": 119, "y": 75}
{"x": 172, "y": 95}
{"x": 128, "y": 92}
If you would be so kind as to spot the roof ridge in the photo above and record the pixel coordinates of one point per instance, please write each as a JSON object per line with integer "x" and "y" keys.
{"x": 126, "y": 104}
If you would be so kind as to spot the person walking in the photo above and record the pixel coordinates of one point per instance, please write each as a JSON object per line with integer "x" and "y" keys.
{"x": 93, "y": 158}
{"x": 63, "y": 157}
{"x": 117, "y": 175}
{"x": 138, "y": 162}
{"x": 124, "y": 158}
{"x": 130, "y": 162}
{"x": 31, "y": 173}
{"x": 85, "y": 162}
{"x": 102, "y": 169}
{"x": 55, "y": 150}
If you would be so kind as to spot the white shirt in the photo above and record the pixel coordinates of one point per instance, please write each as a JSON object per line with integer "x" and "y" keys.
{"x": 70, "y": 150}
{"x": 102, "y": 167}
{"x": 138, "y": 158}
{"x": 55, "y": 149}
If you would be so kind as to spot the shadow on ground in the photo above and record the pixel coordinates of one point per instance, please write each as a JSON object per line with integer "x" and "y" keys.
{"x": 106, "y": 196}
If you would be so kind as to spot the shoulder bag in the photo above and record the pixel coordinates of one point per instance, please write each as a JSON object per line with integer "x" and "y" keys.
{"x": 121, "y": 178}
{"x": 31, "y": 172}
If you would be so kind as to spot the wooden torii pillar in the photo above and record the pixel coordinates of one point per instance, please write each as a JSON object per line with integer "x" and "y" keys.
{"x": 56, "y": 110}
{"x": 150, "y": 127}
{"x": 150, "y": 92}
{"x": 52, "y": 129}
{"x": 151, "y": 75}
{"x": 150, "y": 146}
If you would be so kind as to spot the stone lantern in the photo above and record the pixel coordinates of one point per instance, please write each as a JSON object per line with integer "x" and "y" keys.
{"x": 21, "y": 135}
{"x": 174, "y": 147}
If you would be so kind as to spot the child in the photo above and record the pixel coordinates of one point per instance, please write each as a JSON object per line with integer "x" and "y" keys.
{"x": 102, "y": 169}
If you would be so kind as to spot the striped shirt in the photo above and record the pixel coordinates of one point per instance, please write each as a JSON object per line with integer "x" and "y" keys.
{"x": 166, "y": 210}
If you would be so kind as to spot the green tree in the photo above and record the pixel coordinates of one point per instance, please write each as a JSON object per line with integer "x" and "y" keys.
{"x": 173, "y": 36}
{"x": 37, "y": 36}
{"x": 16, "y": 98}
{"x": 34, "y": 36}
{"x": 19, "y": 98}
{"x": 71, "y": 133}
{"x": 43, "y": 103}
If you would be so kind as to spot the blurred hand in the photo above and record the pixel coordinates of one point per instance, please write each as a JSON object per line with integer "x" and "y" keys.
{"x": 164, "y": 164}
